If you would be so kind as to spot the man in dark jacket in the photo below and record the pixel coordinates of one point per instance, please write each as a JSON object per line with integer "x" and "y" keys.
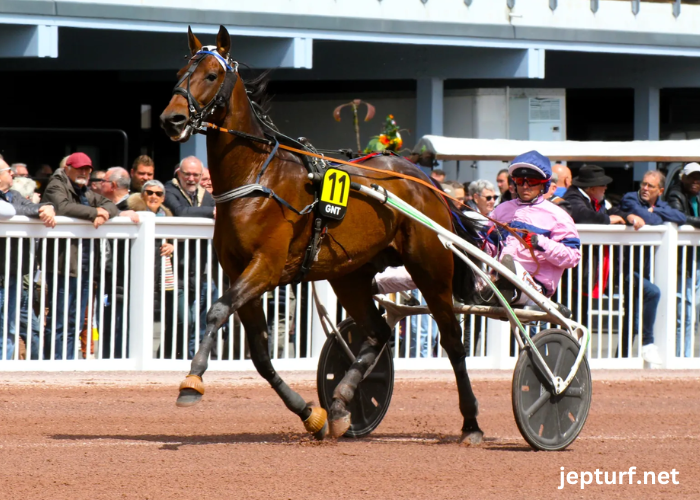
{"x": 67, "y": 191}
{"x": 586, "y": 197}
{"x": 185, "y": 197}
{"x": 683, "y": 196}
{"x": 647, "y": 202}
{"x": 22, "y": 206}
{"x": 115, "y": 187}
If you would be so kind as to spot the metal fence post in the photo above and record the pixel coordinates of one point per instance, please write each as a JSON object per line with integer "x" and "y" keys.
{"x": 141, "y": 292}
{"x": 666, "y": 278}
{"x": 329, "y": 300}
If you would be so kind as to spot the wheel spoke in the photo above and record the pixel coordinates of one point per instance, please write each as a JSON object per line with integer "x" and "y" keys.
{"x": 574, "y": 392}
{"x": 558, "y": 418}
{"x": 560, "y": 359}
{"x": 538, "y": 404}
{"x": 361, "y": 407}
{"x": 376, "y": 377}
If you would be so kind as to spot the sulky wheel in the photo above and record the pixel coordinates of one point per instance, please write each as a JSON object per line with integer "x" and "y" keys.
{"x": 373, "y": 394}
{"x": 548, "y": 421}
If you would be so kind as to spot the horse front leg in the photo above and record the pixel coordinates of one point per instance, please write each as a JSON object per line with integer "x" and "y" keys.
{"x": 252, "y": 282}
{"x": 253, "y": 318}
{"x": 244, "y": 296}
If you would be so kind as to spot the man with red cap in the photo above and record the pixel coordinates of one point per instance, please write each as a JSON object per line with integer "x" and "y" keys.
{"x": 68, "y": 192}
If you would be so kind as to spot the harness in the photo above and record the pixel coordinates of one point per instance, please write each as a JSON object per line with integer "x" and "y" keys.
{"x": 315, "y": 163}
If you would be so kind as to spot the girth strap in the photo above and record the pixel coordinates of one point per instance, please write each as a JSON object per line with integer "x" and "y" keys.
{"x": 311, "y": 251}
{"x": 252, "y": 189}
{"x": 269, "y": 159}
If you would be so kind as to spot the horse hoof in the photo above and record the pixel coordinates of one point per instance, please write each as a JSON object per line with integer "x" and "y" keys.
{"x": 321, "y": 435}
{"x": 340, "y": 425}
{"x": 191, "y": 391}
{"x": 471, "y": 438}
{"x": 188, "y": 397}
{"x": 317, "y": 423}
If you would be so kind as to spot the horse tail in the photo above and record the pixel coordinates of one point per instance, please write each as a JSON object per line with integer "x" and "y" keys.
{"x": 463, "y": 280}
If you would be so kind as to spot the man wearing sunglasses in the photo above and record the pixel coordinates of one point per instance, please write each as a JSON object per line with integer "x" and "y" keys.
{"x": 551, "y": 240}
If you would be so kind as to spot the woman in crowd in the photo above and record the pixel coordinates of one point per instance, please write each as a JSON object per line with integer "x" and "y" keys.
{"x": 150, "y": 199}
{"x": 483, "y": 196}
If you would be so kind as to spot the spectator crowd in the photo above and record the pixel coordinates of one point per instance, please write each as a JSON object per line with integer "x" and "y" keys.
{"x": 77, "y": 190}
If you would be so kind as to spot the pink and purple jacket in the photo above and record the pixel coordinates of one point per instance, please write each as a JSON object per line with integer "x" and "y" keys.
{"x": 558, "y": 243}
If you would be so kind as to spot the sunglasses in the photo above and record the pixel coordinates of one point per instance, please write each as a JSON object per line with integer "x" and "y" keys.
{"x": 520, "y": 181}
{"x": 489, "y": 198}
{"x": 156, "y": 193}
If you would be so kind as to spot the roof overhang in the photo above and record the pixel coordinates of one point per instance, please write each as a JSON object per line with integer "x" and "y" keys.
{"x": 452, "y": 148}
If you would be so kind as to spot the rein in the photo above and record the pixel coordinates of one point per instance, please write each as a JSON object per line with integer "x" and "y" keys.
{"x": 503, "y": 225}
{"x": 223, "y": 95}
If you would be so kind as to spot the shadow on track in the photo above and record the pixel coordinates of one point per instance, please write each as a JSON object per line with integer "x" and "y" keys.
{"x": 174, "y": 442}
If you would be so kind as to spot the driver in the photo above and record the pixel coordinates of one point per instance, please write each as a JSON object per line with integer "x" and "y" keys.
{"x": 548, "y": 231}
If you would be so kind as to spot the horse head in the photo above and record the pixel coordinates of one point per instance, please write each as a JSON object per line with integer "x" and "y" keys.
{"x": 204, "y": 88}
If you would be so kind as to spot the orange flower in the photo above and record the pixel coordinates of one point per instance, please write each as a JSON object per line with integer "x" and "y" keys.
{"x": 384, "y": 140}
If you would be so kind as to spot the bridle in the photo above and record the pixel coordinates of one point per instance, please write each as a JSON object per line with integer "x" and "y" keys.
{"x": 198, "y": 114}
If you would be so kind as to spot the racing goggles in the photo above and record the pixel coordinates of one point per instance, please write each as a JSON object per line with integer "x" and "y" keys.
{"x": 520, "y": 181}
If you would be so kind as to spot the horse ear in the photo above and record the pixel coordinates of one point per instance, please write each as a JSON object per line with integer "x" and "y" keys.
{"x": 195, "y": 44}
{"x": 223, "y": 42}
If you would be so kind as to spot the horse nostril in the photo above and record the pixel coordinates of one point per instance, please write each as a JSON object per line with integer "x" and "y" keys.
{"x": 178, "y": 120}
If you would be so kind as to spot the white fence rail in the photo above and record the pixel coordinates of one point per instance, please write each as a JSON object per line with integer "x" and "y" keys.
{"x": 146, "y": 311}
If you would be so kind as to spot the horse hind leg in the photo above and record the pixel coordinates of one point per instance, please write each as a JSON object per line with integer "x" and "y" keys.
{"x": 437, "y": 292}
{"x": 355, "y": 294}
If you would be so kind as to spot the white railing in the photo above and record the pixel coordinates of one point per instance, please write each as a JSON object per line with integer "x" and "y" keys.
{"x": 157, "y": 324}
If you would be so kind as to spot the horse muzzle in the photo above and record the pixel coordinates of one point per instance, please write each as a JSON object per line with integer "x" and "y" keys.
{"x": 176, "y": 125}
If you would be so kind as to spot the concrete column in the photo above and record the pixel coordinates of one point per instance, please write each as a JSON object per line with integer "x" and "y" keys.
{"x": 195, "y": 146}
{"x": 429, "y": 108}
{"x": 646, "y": 123}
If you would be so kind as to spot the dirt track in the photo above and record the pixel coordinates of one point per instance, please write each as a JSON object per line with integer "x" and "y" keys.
{"x": 94, "y": 436}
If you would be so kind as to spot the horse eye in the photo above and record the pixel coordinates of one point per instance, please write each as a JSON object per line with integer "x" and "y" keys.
{"x": 211, "y": 77}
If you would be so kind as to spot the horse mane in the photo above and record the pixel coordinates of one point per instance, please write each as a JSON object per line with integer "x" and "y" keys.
{"x": 256, "y": 88}
{"x": 261, "y": 100}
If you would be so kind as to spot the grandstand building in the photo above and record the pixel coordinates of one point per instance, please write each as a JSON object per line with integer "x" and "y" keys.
{"x": 95, "y": 75}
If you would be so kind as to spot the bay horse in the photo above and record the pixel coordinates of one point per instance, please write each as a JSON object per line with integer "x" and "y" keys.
{"x": 261, "y": 242}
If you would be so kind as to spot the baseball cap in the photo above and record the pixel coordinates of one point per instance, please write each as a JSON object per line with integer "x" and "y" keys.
{"x": 79, "y": 160}
{"x": 690, "y": 168}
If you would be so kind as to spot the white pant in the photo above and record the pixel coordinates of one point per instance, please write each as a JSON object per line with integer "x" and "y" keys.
{"x": 393, "y": 280}
{"x": 397, "y": 279}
